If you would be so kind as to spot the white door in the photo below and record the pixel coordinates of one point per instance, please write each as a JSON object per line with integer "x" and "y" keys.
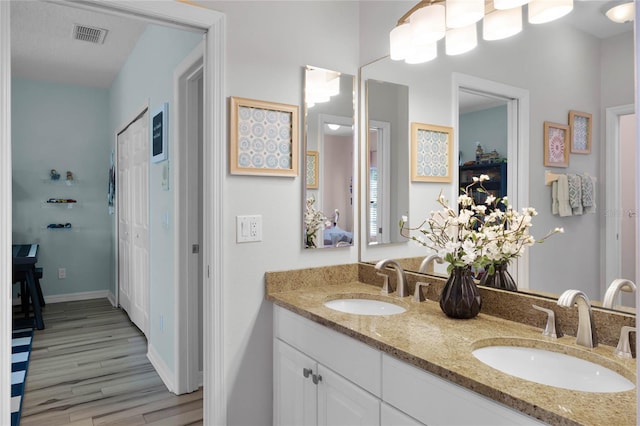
{"x": 294, "y": 392}
{"x": 133, "y": 221}
{"x": 341, "y": 403}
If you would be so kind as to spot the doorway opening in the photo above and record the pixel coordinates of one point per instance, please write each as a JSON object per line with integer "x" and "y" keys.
{"x": 621, "y": 214}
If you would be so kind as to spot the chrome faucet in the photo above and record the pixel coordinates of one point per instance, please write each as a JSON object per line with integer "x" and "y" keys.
{"x": 424, "y": 266}
{"x": 616, "y": 287}
{"x": 585, "y": 336}
{"x": 401, "y": 286}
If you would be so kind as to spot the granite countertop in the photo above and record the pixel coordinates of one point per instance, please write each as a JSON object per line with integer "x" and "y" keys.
{"x": 423, "y": 336}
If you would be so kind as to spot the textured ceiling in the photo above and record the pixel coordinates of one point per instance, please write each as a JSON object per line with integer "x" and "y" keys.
{"x": 42, "y": 47}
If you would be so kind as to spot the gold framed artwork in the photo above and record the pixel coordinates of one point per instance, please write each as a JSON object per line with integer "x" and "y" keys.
{"x": 580, "y": 124}
{"x": 312, "y": 169}
{"x": 431, "y": 153}
{"x": 556, "y": 144}
{"x": 263, "y": 138}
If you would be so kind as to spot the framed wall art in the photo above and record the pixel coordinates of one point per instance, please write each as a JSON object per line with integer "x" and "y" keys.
{"x": 580, "y": 124}
{"x": 556, "y": 144}
{"x": 312, "y": 169}
{"x": 264, "y": 138}
{"x": 159, "y": 132}
{"x": 431, "y": 153}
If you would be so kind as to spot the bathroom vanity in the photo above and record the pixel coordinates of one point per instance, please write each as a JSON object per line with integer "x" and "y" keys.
{"x": 414, "y": 367}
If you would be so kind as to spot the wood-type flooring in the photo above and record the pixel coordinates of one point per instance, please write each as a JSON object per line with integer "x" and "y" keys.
{"x": 89, "y": 366}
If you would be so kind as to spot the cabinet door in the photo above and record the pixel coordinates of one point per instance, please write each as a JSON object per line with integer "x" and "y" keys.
{"x": 341, "y": 403}
{"x": 390, "y": 416}
{"x": 294, "y": 394}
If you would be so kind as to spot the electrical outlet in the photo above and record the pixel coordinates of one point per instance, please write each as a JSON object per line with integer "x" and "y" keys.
{"x": 248, "y": 228}
{"x": 62, "y": 273}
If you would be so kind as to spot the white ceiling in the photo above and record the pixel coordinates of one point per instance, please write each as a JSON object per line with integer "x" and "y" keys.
{"x": 42, "y": 47}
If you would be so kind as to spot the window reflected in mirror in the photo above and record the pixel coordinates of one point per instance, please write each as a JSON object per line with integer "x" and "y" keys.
{"x": 387, "y": 160}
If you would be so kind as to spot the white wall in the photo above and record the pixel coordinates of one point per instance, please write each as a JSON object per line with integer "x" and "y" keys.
{"x": 147, "y": 76}
{"x": 268, "y": 44}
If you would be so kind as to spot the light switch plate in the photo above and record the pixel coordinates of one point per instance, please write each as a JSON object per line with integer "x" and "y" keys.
{"x": 248, "y": 228}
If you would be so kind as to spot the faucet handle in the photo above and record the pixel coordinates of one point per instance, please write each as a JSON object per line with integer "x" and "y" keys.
{"x": 550, "y": 328}
{"x": 624, "y": 349}
{"x": 417, "y": 294}
{"x": 385, "y": 282}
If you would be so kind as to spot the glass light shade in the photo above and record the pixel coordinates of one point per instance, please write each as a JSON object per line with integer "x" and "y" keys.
{"x": 427, "y": 24}
{"x": 399, "y": 42}
{"x": 422, "y": 53}
{"x": 508, "y": 4}
{"x": 622, "y": 13}
{"x": 543, "y": 11}
{"x": 501, "y": 24}
{"x": 461, "y": 40}
{"x": 462, "y": 13}
{"x": 321, "y": 84}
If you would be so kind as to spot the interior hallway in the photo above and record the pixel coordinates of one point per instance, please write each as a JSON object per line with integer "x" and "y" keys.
{"x": 89, "y": 367}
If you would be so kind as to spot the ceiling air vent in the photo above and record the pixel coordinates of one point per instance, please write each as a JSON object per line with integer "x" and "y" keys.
{"x": 90, "y": 34}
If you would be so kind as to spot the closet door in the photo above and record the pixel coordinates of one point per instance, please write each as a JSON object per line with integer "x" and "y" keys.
{"x": 133, "y": 221}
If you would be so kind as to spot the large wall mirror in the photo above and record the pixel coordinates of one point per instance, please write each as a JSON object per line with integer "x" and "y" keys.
{"x": 329, "y": 159}
{"x": 569, "y": 64}
{"x": 387, "y": 184}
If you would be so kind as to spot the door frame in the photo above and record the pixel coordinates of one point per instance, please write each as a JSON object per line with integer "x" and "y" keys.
{"x": 179, "y": 14}
{"x": 517, "y": 146}
{"x": 185, "y": 296}
{"x": 612, "y": 250}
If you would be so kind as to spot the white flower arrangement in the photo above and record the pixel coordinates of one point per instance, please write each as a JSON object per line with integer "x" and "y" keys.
{"x": 313, "y": 219}
{"x": 479, "y": 235}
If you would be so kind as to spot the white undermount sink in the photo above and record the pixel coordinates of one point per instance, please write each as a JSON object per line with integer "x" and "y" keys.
{"x": 364, "y": 306}
{"x": 553, "y": 369}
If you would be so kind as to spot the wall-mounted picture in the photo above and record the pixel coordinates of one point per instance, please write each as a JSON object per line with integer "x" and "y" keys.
{"x": 431, "y": 153}
{"x": 312, "y": 169}
{"x": 264, "y": 138}
{"x": 580, "y": 124}
{"x": 159, "y": 132}
{"x": 556, "y": 144}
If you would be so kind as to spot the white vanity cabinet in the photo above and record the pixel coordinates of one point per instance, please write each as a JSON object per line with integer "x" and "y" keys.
{"x": 436, "y": 401}
{"x": 323, "y": 377}
{"x": 307, "y": 393}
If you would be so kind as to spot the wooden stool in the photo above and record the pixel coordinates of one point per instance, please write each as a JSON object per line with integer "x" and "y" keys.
{"x": 19, "y": 277}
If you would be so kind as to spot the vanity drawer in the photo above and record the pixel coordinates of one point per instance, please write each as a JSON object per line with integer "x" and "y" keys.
{"x": 348, "y": 357}
{"x": 433, "y": 400}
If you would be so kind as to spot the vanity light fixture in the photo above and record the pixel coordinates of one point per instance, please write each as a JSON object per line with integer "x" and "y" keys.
{"x": 621, "y": 13}
{"x": 333, "y": 127}
{"x": 321, "y": 85}
{"x": 543, "y": 11}
{"x": 415, "y": 37}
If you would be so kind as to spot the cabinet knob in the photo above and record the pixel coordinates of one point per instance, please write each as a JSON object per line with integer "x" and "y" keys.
{"x": 306, "y": 372}
{"x": 316, "y": 378}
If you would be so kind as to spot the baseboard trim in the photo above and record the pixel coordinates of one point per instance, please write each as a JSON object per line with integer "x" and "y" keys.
{"x": 72, "y": 297}
{"x": 112, "y": 298}
{"x": 161, "y": 368}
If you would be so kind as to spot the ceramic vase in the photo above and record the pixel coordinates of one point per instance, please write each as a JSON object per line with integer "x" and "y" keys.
{"x": 500, "y": 278}
{"x": 460, "y": 296}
